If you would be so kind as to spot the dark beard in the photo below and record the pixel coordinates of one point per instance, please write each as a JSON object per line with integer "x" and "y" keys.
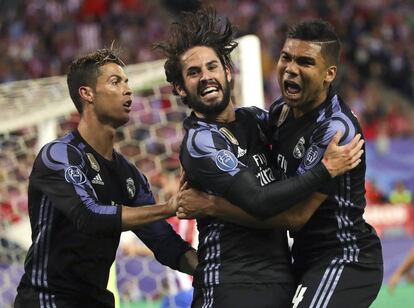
{"x": 210, "y": 110}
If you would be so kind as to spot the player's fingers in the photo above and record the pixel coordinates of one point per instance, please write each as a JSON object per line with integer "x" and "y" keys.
{"x": 356, "y": 156}
{"x": 336, "y": 138}
{"x": 183, "y": 186}
{"x": 357, "y": 147}
{"x": 354, "y": 164}
{"x": 353, "y": 144}
{"x": 181, "y": 215}
{"x": 354, "y": 151}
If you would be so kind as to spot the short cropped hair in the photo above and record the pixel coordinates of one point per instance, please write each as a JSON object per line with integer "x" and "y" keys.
{"x": 199, "y": 28}
{"x": 84, "y": 71}
{"x": 321, "y": 32}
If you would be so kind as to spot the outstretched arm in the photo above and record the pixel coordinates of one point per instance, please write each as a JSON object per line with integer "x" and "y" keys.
{"x": 277, "y": 197}
{"x": 196, "y": 204}
{"x": 133, "y": 217}
{"x": 403, "y": 269}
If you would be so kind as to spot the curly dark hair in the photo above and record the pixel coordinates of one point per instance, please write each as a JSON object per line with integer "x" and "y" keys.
{"x": 318, "y": 31}
{"x": 199, "y": 28}
{"x": 84, "y": 71}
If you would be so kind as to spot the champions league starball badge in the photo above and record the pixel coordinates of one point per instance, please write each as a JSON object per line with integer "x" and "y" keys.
{"x": 225, "y": 160}
{"x": 74, "y": 175}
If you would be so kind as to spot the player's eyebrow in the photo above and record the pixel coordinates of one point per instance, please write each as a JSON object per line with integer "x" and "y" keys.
{"x": 118, "y": 77}
{"x": 307, "y": 59}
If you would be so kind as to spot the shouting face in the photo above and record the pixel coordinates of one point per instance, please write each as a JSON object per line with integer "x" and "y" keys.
{"x": 303, "y": 75}
{"x": 205, "y": 81}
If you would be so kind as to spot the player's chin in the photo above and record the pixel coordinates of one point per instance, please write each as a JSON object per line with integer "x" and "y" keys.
{"x": 211, "y": 100}
{"x": 122, "y": 120}
{"x": 292, "y": 101}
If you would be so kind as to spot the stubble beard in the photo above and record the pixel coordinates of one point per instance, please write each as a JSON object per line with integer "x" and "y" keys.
{"x": 195, "y": 103}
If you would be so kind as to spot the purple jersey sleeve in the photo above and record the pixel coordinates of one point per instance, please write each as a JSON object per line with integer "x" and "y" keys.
{"x": 59, "y": 172}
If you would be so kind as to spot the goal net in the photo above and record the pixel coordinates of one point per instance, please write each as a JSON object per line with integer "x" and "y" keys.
{"x": 34, "y": 112}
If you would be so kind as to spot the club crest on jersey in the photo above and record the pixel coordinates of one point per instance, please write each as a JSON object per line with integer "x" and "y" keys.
{"x": 74, "y": 175}
{"x": 94, "y": 163}
{"x": 229, "y": 135}
{"x": 299, "y": 149}
{"x": 130, "y": 185}
{"x": 312, "y": 156}
{"x": 225, "y": 160}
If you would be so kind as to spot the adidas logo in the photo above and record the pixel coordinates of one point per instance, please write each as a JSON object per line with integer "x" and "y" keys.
{"x": 98, "y": 180}
{"x": 240, "y": 152}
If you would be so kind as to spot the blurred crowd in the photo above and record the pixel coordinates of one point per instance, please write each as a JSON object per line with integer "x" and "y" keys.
{"x": 38, "y": 38}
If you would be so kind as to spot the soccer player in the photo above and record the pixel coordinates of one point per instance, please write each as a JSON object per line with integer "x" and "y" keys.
{"x": 225, "y": 153}
{"x": 337, "y": 254}
{"x": 82, "y": 194}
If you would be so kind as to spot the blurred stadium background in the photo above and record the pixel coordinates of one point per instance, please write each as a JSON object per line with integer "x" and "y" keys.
{"x": 38, "y": 38}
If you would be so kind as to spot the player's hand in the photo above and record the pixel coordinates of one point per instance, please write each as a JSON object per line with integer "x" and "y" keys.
{"x": 193, "y": 203}
{"x": 183, "y": 181}
{"x": 183, "y": 185}
{"x": 340, "y": 159}
{"x": 172, "y": 204}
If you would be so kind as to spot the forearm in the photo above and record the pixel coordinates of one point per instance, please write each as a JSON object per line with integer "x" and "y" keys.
{"x": 188, "y": 262}
{"x": 133, "y": 217}
{"x": 296, "y": 217}
{"x": 292, "y": 219}
{"x": 276, "y": 197}
{"x": 227, "y": 211}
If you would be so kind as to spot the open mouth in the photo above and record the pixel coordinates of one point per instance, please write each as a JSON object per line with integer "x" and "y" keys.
{"x": 291, "y": 88}
{"x": 208, "y": 90}
{"x": 127, "y": 105}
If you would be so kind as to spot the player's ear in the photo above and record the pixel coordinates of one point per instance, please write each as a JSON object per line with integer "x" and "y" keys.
{"x": 86, "y": 94}
{"x": 228, "y": 73}
{"x": 331, "y": 73}
{"x": 180, "y": 90}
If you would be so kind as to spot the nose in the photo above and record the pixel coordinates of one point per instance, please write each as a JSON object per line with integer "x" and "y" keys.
{"x": 291, "y": 68}
{"x": 205, "y": 75}
{"x": 128, "y": 90}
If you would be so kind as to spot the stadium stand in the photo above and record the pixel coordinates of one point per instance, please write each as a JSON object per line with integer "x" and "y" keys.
{"x": 38, "y": 38}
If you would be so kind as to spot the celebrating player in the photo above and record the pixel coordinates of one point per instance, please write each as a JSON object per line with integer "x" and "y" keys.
{"x": 82, "y": 194}
{"x": 224, "y": 153}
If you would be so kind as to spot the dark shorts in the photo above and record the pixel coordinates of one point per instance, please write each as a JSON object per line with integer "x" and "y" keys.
{"x": 338, "y": 285}
{"x": 28, "y": 298}
{"x": 244, "y": 296}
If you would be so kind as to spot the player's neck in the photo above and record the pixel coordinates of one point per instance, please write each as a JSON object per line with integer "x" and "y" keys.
{"x": 100, "y": 137}
{"x": 303, "y": 109}
{"x": 228, "y": 115}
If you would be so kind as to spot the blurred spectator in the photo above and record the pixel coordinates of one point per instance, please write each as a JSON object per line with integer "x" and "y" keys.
{"x": 7, "y": 214}
{"x": 400, "y": 194}
{"x": 398, "y": 122}
{"x": 38, "y": 37}
{"x": 372, "y": 193}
